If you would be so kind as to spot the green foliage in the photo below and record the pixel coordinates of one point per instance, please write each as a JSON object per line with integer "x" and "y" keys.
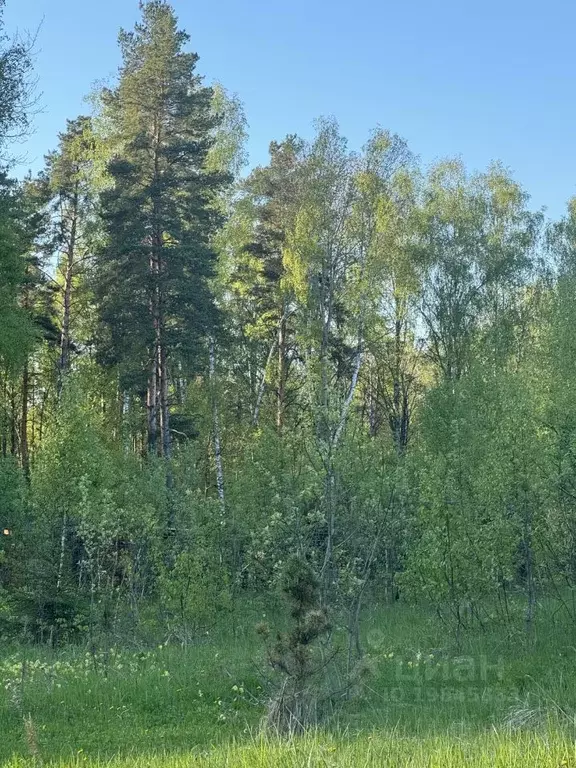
{"x": 18, "y": 331}
{"x": 94, "y": 512}
{"x": 194, "y": 580}
{"x": 16, "y": 85}
{"x": 14, "y": 537}
{"x": 481, "y": 496}
{"x": 477, "y": 242}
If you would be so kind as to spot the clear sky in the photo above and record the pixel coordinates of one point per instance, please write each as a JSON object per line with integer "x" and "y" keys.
{"x": 483, "y": 79}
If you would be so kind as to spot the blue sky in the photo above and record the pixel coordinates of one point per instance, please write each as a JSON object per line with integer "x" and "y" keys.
{"x": 482, "y": 80}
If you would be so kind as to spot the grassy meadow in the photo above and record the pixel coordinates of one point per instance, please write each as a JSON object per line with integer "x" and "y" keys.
{"x": 498, "y": 700}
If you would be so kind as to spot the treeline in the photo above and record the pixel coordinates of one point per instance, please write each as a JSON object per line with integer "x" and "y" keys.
{"x": 342, "y": 356}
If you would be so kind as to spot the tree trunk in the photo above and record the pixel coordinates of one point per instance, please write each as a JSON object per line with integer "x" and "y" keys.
{"x": 373, "y": 420}
{"x": 216, "y": 428}
{"x": 164, "y": 405}
{"x": 5, "y": 415}
{"x": 397, "y": 384}
{"x": 24, "y": 454}
{"x": 330, "y": 484}
{"x": 152, "y": 403}
{"x": 262, "y": 385}
{"x": 64, "y": 363}
{"x": 13, "y": 422}
{"x": 529, "y": 568}
{"x": 157, "y": 383}
{"x": 281, "y": 397}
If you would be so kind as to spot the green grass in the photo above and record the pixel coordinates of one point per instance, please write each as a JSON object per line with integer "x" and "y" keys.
{"x": 490, "y": 750}
{"x": 495, "y": 701}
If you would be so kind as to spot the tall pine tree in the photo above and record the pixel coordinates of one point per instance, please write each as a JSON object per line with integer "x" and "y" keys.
{"x": 155, "y": 302}
{"x": 68, "y": 183}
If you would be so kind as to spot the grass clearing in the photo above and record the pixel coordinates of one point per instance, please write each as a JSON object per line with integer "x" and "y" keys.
{"x": 495, "y": 701}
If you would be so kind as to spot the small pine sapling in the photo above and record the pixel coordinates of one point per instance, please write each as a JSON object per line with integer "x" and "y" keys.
{"x": 296, "y": 655}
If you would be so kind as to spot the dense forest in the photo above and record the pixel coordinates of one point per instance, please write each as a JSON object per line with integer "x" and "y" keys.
{"x": 341, "y": 372}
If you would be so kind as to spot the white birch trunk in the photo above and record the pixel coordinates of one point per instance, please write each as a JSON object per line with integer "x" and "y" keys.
{"x": 216, "y": 428}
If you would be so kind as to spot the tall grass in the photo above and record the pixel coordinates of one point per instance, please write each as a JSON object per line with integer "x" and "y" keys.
{"x": 494, "y": 701}
{"x": 490, "y": 750}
